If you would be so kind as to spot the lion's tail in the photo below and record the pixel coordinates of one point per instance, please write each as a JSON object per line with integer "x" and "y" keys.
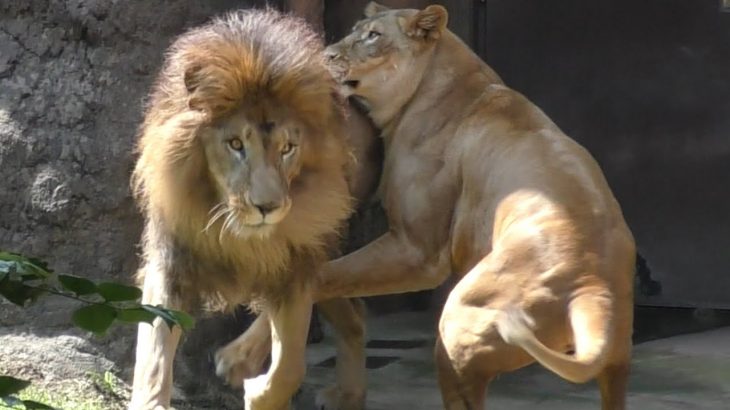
{"x": 591, "y": 320}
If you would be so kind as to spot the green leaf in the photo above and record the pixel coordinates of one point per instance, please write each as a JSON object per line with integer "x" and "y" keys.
{"x": 135, "y": 315}
{"x": 171, "y": 317}
{"x": 19, "y": 293}
{"x": 10, "y": 385}
{"x": 115, "y": 292}
{"x": 11, "y": 401}
{"x": 11, "y": 256}
{"x": 94, "y": 318}
{"x": 34, "y": 405}
{"x": 162, "y": 313}
{"x": 78, "y": 285}
{"x": 9, "y": 269}
{"x": 39, "y": 264}
{"x": 27, "y": 265}
{"x": 183, "y": 319}
{"x": 5, "y": 269}
{"x": 7, "y": 266}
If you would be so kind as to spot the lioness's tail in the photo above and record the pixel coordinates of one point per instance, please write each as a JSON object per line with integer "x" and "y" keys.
{"x": 591, "y": 319}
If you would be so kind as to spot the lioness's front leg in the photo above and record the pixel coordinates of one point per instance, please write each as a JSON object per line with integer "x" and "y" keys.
{"x": 156, "y": 346}
{"x": 289, "y": 325}
{"x": 388, "y": 265}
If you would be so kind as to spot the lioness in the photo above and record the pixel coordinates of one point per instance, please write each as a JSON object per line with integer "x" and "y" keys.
{"x": 478, "y": 182}
{"x": 243, "y": 180}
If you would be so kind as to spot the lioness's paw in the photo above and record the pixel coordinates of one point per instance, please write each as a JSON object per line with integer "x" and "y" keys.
{"x": 515, "y": 326}
{"x": 240, "y": 360}
{"x": 332, "y": 398}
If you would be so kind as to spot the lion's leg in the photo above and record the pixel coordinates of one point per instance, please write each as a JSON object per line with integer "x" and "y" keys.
{"x": 244, "y": 357}
{"x": 347, "y": 318}
{"x": 156, "y": 346}
{"x": 289, "y": 325}
{"x": 385, "y": 266}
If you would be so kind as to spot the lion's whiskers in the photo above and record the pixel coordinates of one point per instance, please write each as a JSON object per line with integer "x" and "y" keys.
{"x": 227, "y": 223}
{"x": 220, "y": 210}
{"x": 216, "y": 208}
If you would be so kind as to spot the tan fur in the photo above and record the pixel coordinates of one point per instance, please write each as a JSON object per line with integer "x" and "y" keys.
{"x": 480, "y": 183}
{"x": 259, "y": 77}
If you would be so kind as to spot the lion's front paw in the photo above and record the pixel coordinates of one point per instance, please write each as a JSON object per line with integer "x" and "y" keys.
{"x": 333, "y": 398}
{"x": 241, "y": 360}
{"x": 515, "y": 326}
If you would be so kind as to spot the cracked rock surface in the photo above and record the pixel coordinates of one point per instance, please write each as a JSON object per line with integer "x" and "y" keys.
{"x": 73, "y": 78}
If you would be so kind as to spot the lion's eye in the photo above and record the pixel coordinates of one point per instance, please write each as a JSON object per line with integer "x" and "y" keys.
{"x": 236, "y": 144}
{"x": 288, "y": 148}
{"x": 373, "y": 35}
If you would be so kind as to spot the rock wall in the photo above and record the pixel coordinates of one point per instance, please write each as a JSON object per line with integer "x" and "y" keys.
{"x": 73, "y": 78}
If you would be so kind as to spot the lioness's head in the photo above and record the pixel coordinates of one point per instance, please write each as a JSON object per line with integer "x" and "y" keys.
{"x": 386, "y": 55}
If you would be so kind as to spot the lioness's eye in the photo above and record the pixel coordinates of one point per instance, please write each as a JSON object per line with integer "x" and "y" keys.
{"x": 288, "y": 148}
{"x": 235, "y": 144}
{"x": 373, "y": 35}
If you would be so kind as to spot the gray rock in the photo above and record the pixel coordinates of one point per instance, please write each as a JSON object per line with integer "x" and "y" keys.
{"x": 73, "y": 78}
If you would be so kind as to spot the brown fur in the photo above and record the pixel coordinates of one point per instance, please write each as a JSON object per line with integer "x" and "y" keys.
{"x": 477, "y": 181}
{"x": 231, "y": 62}
{"x": 261, "y": 73}
{"x": 480, "y": 183}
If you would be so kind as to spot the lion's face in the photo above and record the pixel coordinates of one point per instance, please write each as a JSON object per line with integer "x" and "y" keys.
{"x": 243, "y": 142}
{"x": 253, "y": 162}
{"x": 383, "y": 59}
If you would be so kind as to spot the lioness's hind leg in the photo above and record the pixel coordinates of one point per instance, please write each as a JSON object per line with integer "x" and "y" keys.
{"x": 347, "y": 318}
{"x": 460, "y": 390}
{"x": 613, "y": 379}
{"x": 612, "y": 382}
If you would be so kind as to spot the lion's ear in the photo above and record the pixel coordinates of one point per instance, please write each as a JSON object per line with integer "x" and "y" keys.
{"x": 192, "y": 79}
{"x": 428, "y": 23}
{"x": 374, "y": 8}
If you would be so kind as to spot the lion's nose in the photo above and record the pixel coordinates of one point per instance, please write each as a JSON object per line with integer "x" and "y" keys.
{"x": 268, "y": 207}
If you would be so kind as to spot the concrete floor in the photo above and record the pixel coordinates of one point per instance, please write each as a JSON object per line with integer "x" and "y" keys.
{"x": 680, "y": 372}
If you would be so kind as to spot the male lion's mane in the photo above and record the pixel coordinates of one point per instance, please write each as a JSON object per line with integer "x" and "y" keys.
{"x": 237, "y": 60}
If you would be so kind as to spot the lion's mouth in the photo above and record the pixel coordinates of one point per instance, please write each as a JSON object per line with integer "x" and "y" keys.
{"x": 237, "y": 221}
{"x": 351, "y": 83}
{"x": 360, "y": 103}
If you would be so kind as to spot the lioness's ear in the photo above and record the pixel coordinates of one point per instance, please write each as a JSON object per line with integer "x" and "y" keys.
{"x": 374, "y": 8}
{"x": 428, "y": 23}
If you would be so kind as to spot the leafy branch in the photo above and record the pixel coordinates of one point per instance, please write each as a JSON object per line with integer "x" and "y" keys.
{"x": 23, "y": 280}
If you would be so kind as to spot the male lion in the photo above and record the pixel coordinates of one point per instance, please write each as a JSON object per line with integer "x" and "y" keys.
{"x": 478, "y": 182}
{"x": 243, "y": 178}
